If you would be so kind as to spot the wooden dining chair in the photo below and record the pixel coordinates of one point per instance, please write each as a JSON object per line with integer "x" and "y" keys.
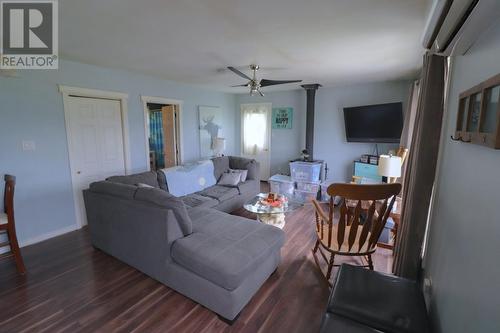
{"x": 354, "y": 226}
{"x": 7, "y": 225}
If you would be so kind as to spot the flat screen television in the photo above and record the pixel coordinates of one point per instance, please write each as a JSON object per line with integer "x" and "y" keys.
{"x": 381, "y": 123}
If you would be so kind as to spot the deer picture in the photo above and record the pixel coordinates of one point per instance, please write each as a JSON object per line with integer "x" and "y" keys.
{"x": 212, "y": 129}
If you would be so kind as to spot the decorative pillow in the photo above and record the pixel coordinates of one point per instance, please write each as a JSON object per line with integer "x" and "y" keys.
{"x": 243, "y": 173}
{"x": 230, "y": 178}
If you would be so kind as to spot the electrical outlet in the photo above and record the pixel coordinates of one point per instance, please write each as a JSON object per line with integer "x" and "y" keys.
{"x": 29, "y": 145}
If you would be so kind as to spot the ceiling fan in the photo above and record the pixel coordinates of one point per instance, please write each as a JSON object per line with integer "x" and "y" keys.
{"x": 255, "y": 84}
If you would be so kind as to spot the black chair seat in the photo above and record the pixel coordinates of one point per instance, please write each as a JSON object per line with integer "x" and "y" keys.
{"x": 335, "y": 323}
{"x": 387, "y": 303}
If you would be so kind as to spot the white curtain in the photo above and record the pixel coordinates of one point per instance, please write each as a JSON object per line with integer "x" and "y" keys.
{"x": 254, "y": 128}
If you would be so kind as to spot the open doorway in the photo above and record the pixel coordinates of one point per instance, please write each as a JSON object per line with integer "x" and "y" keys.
{"x": 162, "y": 120}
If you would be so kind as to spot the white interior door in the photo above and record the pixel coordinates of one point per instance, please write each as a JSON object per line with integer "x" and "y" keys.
{"x": 256, "y": 135}
{"x": 95, "y": 137}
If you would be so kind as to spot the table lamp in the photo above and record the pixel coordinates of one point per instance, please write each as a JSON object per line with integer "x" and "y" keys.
{"x": 389, "y": 166}
{"x": 219, "y": 146}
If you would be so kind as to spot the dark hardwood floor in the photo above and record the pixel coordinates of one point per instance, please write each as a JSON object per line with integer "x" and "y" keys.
{"x": 71, "y": 287}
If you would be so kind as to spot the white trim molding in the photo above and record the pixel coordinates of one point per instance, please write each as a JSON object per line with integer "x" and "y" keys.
{"x": 95, "y": 93}
{"x": 161, "y": 100}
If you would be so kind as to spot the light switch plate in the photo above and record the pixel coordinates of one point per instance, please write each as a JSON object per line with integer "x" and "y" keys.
{"x": 29, "y": 145}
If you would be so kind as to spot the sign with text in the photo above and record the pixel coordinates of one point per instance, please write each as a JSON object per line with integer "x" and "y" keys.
{"x": 282, "y": 118}
{"x": 29, "y": 35}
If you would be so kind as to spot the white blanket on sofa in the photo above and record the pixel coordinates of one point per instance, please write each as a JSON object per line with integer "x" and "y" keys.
{"x": 189, "y": 178}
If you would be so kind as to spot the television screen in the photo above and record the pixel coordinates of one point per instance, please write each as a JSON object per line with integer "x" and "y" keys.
{"x": 380, "y": 123}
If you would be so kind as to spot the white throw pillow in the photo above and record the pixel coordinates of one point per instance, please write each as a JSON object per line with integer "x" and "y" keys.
{"x": 243, "y": 173}
{"x": 230, "y": 178}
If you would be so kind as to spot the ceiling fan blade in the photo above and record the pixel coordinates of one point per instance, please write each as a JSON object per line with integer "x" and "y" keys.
{"x": 242, "y": 85}
{"x": 260, "y": 92}
{"x": 266, "y": 83}
{"x": 237, "y": 72}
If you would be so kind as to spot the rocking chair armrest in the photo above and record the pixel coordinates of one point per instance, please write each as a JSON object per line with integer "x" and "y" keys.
{"x": 320, "y": 211}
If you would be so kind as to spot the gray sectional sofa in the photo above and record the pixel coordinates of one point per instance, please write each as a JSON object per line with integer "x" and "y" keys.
{"x": 188, "y": 243}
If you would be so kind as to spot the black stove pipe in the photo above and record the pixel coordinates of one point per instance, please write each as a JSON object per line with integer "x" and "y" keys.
{"x": 311, "y": 96}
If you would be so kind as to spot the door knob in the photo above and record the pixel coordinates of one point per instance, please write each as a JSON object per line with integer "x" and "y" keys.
{"x": 78, "y": 172}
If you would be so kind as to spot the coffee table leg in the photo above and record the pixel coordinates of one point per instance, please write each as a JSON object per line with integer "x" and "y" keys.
{"x": 277, "y": 220}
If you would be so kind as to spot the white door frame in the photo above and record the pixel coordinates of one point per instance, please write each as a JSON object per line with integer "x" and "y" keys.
{"x": 269, "y": 136}
{"x": 161, "y": 100}
{"x": 68, "y": 92}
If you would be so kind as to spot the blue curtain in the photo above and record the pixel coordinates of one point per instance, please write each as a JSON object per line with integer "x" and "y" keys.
{"x": 156, "y": 137}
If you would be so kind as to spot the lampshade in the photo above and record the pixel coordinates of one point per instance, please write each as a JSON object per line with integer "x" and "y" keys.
{"x": 389, "y": 166}
{"x": 219, "y": 145}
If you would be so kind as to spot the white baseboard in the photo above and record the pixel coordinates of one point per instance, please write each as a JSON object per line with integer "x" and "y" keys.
{"x": 48, "y": 235}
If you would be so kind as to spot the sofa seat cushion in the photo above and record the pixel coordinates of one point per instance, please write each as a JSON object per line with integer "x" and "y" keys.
{"x": 387, "y": 303}
{"x": 219, "y": 192}
{"x": 224, "y": 248}
{"x": 196, "y": 200}
{"x": 150, "y": 178}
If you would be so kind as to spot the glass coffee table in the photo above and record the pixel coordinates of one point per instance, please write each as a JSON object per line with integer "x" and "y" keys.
{"x": 268, "y": 214}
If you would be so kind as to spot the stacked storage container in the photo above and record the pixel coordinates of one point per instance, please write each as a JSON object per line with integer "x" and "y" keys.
{"x": 306, "y": 177}
{"x": 282, "y": 184}
{"x": 306, "y": 191}
{"x": 324, "y": 187}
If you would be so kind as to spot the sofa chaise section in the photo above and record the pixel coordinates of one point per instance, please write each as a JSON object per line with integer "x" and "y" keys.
{"x": 225, "y": 249}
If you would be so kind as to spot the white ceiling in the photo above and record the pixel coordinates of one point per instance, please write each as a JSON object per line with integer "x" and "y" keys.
{"x": 331, "y": 42}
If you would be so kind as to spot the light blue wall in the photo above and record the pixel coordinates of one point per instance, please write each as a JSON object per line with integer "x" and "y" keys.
{"x": 31, "y": 108}
{"x": 329, "y": 135}
{"x": 462, "y": 258}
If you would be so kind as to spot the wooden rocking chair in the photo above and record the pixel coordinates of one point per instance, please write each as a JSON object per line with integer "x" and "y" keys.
{"x": 354, "y": 227}
{"x": 7, "y": 225}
